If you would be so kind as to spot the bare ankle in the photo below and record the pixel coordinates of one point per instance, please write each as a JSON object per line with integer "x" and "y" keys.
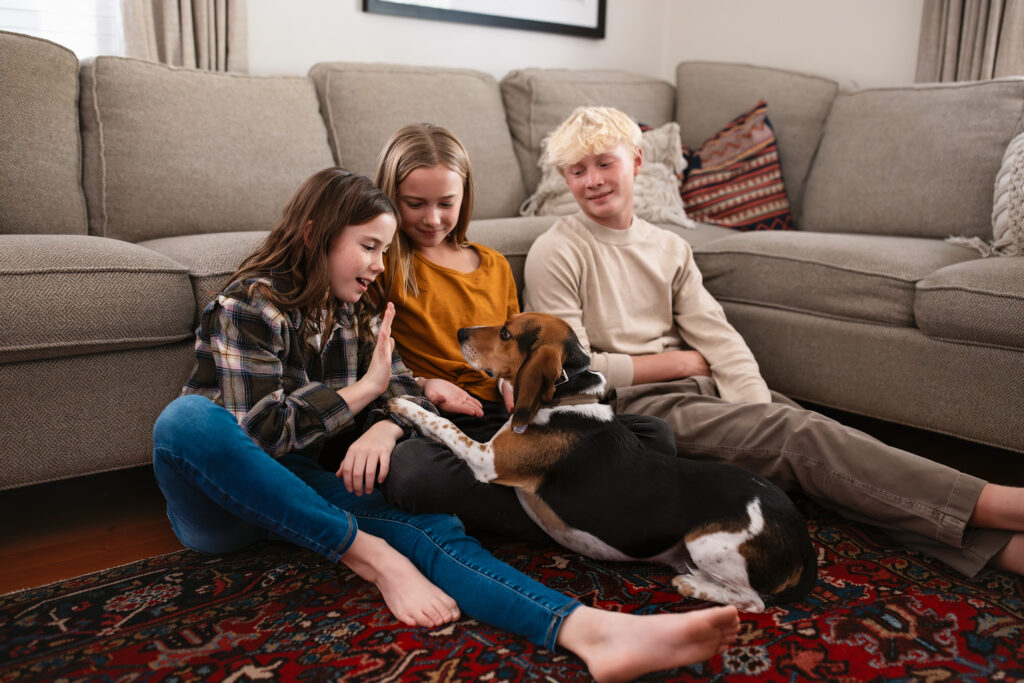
{"x": 366, "y": 555}
{"x": 1011, "y": 557}
{"x": 999, "y": 507}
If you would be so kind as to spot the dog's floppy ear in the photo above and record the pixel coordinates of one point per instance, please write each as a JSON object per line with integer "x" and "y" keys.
{"x": 535, "y": 385}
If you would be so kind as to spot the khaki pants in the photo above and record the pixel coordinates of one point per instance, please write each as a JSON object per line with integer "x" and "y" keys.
{"x": 923, "y": 504}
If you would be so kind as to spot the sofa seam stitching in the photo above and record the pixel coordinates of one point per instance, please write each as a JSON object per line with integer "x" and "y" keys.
{"x": 967, "y": 290}
{"x": 101, "y": 149}
{"x": 817, "y": 314}
{"x": 333, "y": 133}
{"x": 884, "y": 276}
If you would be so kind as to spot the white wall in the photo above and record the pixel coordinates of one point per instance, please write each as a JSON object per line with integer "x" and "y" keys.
{"x": 289, "y": 37}
{"x": 864, "y": 42}
{"x": 867, "y": 42}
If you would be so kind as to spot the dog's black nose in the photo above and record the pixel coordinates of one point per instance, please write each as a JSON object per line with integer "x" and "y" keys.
{"x": 463, "y": 334}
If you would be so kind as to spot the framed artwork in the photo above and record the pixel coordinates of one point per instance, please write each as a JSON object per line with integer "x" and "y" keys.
{"x": 572, "y": 17}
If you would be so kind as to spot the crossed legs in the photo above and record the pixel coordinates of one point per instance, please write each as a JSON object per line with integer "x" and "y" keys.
{"x": 224, "y": 493}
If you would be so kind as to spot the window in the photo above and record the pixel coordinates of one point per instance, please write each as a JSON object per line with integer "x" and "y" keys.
{"x": 87, "y": 27}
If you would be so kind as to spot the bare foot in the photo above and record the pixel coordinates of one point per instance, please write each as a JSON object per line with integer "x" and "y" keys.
{"x": 1011, "y": 557}
{"x": 620, "y": 647}
{"x": 410, "y": 596}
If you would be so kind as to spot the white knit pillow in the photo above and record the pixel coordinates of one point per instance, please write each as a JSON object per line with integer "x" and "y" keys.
{"x": 655, "y": 193}
{"x": 1007, "y": 207}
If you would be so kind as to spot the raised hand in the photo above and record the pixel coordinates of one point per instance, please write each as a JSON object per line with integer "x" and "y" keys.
{"x": 378, "y": 374}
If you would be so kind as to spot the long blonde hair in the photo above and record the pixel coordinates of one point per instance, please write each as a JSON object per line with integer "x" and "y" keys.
{"x": 423, "y": 145}
{"x": 294, "y": 254}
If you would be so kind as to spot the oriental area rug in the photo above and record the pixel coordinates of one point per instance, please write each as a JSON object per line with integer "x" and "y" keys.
{"x": 277, "y": 613}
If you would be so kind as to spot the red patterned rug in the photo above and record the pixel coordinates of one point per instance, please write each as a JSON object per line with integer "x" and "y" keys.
{"x": 276, "y": 613}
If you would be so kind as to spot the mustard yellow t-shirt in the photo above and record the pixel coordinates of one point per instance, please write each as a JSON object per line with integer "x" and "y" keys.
{"x": 425, "y": 326}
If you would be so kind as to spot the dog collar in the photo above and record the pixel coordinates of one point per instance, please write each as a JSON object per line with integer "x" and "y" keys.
{"x": 576, "y": 400}
{"x": 566, "y": 376}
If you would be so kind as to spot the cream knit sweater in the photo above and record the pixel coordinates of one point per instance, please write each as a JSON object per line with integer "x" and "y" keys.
{"x": 636, "y": 292}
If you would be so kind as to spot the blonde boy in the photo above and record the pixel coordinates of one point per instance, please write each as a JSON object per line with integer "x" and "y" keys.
{"x": 635, "y": 297}
{"x": 631, "y": 265}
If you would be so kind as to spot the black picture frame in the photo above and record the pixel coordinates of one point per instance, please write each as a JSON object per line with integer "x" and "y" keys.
{"x": 411, "y": 9}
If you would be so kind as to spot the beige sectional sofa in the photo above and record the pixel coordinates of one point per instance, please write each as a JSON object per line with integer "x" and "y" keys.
{"x": 129, "y": 191}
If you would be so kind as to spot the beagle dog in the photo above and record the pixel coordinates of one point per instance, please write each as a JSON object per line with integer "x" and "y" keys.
{"x": 595, "y": 488}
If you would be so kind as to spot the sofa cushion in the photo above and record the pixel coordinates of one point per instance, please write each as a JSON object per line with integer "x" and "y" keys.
{"x": 537, "y": 100}
{"x": 734, "y": 178}
{"x": 364, "y": 104}
{"x": 75, "y": 294}
{"x": 709, "y": 94}
{"x": 699, "y": 234}
{"x": 918, "y": 160}
{"x": 180, "y": 151}
{"x": 865, "y": 278}
{"x": 512, "y": 237}
{"x": 896, "y": 374}
{"x": 977, "y": 302}
{"x": 40, "y": 147}
{"x": 86, "y": 414}
{"x": 210, "y": 259}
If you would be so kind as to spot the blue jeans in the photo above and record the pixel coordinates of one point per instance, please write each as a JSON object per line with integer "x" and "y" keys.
{"x": 224, "y": 492}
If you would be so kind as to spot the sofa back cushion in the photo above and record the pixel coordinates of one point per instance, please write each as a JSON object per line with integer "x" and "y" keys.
{"x": 364, "y": 104}
{"x": 711, "y": 94}
{"x": 173, "y": 151}
{"x": 537, "y": 100}
{"x": 918, "y": 160}
{"x": 40, "y": 147}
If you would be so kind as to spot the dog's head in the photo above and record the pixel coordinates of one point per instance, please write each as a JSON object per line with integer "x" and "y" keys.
{"x": 535, "y": 352}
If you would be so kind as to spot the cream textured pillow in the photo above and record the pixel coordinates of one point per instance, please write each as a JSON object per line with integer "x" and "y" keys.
{"x": 656, "y": 191}
{"x": 1007, "y": 207}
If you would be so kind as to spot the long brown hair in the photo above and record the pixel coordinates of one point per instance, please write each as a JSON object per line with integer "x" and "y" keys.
{"x": 294, "y": 254}
{"x": 423, "y": 145}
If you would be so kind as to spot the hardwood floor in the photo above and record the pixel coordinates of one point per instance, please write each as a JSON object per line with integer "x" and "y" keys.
{"x": 65, "y": 529}
{"x": 68, "y": 528}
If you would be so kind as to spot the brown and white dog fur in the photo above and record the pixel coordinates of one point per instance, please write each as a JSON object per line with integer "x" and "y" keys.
{"x": 594, "y": 487}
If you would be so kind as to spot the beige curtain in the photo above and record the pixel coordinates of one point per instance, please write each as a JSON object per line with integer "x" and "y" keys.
{"x": 971, "y": 40}
{"x": 201, "y": 34}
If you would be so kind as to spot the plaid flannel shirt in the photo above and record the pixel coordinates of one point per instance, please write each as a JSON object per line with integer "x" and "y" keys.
{"x": 281, "y": 389}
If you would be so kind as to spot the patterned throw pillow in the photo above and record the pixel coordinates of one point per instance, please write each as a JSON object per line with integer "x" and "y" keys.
{"x": 735, "y": 179}
{"x": 656, "y": 195}
{"x": 1007, "y": 207}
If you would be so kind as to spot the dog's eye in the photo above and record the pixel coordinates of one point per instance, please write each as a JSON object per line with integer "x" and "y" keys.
{"x": 505, "y": 334}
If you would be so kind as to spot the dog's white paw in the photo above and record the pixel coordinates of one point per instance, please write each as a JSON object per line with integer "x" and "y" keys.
{"x": 701, "y": 588}
{"x": 401, "y": 406}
